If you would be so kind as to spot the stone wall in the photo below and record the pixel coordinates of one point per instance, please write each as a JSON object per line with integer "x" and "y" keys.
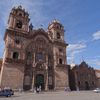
{"x": 98, "y": 77}
{"x": 12, "y": 76}
{"x": 0, "y": 64}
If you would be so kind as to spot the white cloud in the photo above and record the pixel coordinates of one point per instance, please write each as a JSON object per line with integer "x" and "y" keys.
{"x": 94, "y": 61}
{"x": 74, "y": 49}
{"x": 96, "y": 35}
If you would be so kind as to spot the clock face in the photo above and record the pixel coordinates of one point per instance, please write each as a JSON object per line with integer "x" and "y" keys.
{"x": 19, "y": 24}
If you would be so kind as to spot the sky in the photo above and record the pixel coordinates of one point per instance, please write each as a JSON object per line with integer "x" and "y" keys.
{"x": 80, "y": 18}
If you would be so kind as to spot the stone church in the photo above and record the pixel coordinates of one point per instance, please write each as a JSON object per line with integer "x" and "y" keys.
{"x": 33, "y": 57}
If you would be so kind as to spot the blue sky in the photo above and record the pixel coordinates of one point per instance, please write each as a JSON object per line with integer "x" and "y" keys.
{"x": 81, "y": 20}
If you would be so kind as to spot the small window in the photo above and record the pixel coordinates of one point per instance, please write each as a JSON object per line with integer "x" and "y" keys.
{"x": 58, "y": 35}
{"x": 19, "y": 24}
{"x": 15, "y": 55}
{"x": 17, "y": 41}
{"x": 60, "y": 61}
{"x": 60, "y": 50}
{"x": 57, "y": 27}
{"x": 20, "y": 14}
{"x": 40, "y": 56}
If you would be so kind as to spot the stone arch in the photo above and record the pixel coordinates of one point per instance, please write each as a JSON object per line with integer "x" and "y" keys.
{"x": 40, "y": 70}
{"x": 41, "y": 37}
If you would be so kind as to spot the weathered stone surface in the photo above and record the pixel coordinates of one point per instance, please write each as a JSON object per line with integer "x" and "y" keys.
{"x": 31, "y": 56}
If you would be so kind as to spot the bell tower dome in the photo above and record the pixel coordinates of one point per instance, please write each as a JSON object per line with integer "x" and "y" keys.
{"x": 18, "y": 19}
{"x": 56, "y": 30}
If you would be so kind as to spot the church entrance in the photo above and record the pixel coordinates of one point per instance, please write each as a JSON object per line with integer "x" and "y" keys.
{"x": 39, "y": 82}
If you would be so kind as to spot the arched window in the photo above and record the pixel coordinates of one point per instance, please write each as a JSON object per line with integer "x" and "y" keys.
{"x": 19, "y": 24}
{"x": 60, "y": 61}
{"x": 60, "y": 50}
{"x": 20, "y": 14}
{"x": 15, "y": 55}
{"x": 58, "y": 35}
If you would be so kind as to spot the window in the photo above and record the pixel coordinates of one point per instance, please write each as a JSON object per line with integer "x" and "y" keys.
{"x": 58, "y": 35}
{"x": 60, "y": 61}
{"x": 17, "y": 41}
{"x": 15, "y": 55}
{"x": 20, "y": 14}
{"x": 60, "y": 50}
{"x": 40, "y": 56}
{"x": 19, "y": 24}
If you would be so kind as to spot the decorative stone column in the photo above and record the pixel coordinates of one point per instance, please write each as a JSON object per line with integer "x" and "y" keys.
{"x": 33, "y": 83}
{"x": 46, "y": 85}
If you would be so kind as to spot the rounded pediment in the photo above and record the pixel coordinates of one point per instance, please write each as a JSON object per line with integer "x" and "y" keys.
{"x": 40, "y": 32}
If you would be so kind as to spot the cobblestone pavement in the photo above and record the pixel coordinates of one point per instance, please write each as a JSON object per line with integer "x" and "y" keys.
{"x": 80, "y": 95}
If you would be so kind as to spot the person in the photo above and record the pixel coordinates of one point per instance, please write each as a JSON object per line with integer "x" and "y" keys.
{"x": 40, "y": 88}
{"x": 20, "y": 90}
{"x": 37, "y": 90}
{"x": 65, "y": 88}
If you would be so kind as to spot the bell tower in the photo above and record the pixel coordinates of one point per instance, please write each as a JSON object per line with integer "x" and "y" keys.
{"x": 56, "y": 34}
{"x": 12, "y": 71}
{"x": 18, "y": 19}
{"x": 56, "y": 30}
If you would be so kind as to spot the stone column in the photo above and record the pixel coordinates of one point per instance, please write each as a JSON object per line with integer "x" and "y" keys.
{"x": 33, "y": 83}
{"x": 46, "y": 85}
{"x": 14, "y": 23}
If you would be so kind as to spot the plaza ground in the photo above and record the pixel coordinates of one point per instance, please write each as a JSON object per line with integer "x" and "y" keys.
{"x": 61, "y": 95}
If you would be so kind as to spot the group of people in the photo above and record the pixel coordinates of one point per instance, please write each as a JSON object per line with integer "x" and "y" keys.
{"x": 37, "y": 89}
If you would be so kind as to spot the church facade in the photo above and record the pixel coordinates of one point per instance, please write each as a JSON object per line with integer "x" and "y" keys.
{"x": 33, "y": 57}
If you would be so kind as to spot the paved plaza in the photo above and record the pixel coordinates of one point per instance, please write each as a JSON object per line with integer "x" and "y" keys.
{"x": 80, "y": 95}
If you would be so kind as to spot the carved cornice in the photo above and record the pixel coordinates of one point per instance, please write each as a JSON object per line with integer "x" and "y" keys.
{"x": 27, "y": 35}
{"x": 62, "y": 66}
{"x": 60, "y": 43}
{"x": 15, "y": 33}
